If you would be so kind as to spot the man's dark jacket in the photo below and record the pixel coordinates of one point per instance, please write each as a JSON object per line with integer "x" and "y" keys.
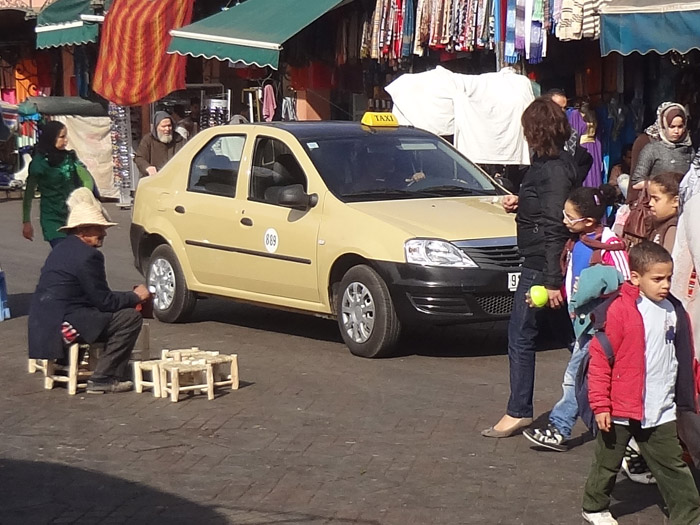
{"x": 541, "y": 231}
{"x": 72, "y": 287}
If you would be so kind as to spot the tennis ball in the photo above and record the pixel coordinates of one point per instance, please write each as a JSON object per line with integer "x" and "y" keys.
{"x": 539, "y": 296}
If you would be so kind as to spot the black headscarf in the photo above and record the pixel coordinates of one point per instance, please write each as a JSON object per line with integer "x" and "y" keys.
{"x": 46, "y": 144}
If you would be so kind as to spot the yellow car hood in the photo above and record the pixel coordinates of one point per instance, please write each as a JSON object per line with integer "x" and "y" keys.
{"x": 449, "y": 218}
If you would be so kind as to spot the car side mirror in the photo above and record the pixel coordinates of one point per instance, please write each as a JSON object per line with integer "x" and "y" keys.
{"x": 294, "y": 196}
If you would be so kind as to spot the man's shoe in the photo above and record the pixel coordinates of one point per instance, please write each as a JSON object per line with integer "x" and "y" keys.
{"x": 548, "y": 437}
{"x": 108, "y": 386}
{"x": 599, "y": 518}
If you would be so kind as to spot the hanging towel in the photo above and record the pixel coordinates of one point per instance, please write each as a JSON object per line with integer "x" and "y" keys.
{"x": 269, "y": 103}
{"x": 529, "y": 8}
{"x": 409, "y": 28}
{"x": 520, "y": 26}
{"x": 510, "y": 55}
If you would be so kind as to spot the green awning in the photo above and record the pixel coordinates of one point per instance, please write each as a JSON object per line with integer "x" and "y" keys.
{"x": 251, "y": 32}
{"x": 60, "y": 24}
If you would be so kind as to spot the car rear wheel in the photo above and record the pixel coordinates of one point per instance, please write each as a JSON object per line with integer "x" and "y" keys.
{"x": 366, "y": 314}
{"x": 172, "y": 300}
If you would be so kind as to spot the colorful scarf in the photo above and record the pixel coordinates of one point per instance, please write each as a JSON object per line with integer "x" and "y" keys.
{"x": 510, "y": 55}
{"x": 520, "y": 26}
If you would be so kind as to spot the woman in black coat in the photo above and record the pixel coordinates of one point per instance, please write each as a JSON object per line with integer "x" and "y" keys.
{"x": 541, "y": 239}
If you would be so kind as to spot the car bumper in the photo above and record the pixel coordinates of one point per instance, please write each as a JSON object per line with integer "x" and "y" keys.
{"x": 431, "y": 295}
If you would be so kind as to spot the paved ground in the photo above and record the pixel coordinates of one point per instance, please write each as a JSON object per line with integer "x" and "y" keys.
{"x": 314, "y": 435}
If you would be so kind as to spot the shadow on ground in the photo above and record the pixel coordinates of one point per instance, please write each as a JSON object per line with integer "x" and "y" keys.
{"x": 482, "y": 339}
{"x": 37, "y": 492}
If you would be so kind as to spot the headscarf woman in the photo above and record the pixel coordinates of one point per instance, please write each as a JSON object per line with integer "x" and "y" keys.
{"x": 55, "y": 171}
{"x": 673, "y": 152}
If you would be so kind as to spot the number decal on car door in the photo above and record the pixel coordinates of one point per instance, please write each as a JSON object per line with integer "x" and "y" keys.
{"x": 271, "y": 240}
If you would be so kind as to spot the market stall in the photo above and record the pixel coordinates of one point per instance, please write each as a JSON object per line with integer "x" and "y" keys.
{"x": 89, "y": 135}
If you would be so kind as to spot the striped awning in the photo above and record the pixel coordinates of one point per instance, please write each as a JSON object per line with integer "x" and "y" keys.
{"x": 133, "y": 66}
{"x": 641, "y": 26}
{"x": 251, "y": 33}
{"x": 61, "y": 24}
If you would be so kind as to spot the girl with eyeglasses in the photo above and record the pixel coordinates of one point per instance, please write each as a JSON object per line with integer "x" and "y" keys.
{"x": 591, "y": 244}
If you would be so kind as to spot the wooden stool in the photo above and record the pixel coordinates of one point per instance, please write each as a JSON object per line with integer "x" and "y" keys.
{"x": 225, "y": 375}
{"x": 185, "y": 354}
{"x": 37, "y": 364}
{"x": 71, "y": 373}
{"x": 184, "y": 377}
{"x": 152, "y": 367}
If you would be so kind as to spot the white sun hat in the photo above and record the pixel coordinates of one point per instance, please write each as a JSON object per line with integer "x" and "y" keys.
{"x": 85, "y": 210}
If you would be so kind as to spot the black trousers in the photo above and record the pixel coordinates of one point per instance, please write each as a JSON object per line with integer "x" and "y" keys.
{"x": 120, "y": 338}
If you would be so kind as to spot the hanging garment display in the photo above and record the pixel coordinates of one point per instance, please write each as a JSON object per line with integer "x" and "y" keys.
{"x": 269, "y": 103}
{"x": 90, "y": 137}
{"x": 120, "y": 135}
{"x": 481, "y": 111}
{"x": 584, "y": 123}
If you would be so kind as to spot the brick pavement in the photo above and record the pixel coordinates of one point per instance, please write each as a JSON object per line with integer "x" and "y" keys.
{"x": 314, "y": 436}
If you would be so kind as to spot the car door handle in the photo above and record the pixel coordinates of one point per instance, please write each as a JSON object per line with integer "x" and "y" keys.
{"x": 180, "y": 209}
{"x": 247, "y": 221}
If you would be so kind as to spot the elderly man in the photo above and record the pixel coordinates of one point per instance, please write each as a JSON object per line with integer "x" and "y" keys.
{"x": 73, "y": 289}
{"x": 159, "y": 147}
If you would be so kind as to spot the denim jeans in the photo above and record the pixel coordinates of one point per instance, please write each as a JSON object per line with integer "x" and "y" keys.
{"x": 564, "y": 414}
{"x": 522, "y": 331}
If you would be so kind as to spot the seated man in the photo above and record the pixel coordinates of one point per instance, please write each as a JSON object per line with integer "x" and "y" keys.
{"x": 73, "y": 288}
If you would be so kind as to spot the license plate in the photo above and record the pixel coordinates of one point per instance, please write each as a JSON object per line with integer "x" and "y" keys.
{"x": 513, "y": 280}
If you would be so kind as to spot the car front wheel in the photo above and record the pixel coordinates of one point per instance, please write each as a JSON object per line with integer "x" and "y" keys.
{"x": 366, "y": 314}
{"x": 172, "y": 300}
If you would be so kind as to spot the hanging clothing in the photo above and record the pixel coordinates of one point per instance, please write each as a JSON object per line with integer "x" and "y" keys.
{"x": 590, "y": 142}
{"x": 495, "y": 101}
{"x": 269, "y": 103}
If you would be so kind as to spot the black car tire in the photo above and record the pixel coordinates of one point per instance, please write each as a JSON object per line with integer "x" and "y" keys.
{"x": 183, "y": 300}
{"x": 384, "y": 334}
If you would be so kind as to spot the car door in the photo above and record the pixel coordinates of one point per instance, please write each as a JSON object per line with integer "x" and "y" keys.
{"x": 207, "y": 213}
{"x": 280, "y": 243}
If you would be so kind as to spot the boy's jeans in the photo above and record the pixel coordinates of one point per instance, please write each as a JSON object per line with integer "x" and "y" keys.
{"x": 564, "y": 414}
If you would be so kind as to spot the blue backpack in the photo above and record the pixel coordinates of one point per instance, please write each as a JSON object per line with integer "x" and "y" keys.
{"x": 598, "y": 316}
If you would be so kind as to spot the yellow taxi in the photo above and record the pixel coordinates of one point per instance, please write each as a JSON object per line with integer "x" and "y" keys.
{"x": 377, "y": 225}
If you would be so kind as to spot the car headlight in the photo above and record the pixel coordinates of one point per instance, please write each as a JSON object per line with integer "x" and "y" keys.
{"x": 432, "y": 252}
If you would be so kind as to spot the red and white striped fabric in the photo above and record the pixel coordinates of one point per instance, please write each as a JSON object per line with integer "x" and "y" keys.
{"x": 69, "y": 333}
{"x": 133, "y": 67}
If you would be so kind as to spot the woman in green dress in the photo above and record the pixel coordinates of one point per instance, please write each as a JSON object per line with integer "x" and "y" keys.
{"x": 55, "y": 171}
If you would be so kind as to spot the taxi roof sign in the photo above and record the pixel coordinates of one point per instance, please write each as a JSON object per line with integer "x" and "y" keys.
{"x": 379, "y": 120}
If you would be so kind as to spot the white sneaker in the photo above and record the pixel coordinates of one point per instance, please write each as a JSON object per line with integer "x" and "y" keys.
{"x": 599, "y": 518}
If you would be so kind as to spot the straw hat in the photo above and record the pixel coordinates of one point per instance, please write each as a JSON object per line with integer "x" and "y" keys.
{"x": 85, "y": 210}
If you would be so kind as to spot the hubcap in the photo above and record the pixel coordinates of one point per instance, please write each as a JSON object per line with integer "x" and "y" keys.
{"x": 162, "y": 278}
{"x": 358, "y": 312}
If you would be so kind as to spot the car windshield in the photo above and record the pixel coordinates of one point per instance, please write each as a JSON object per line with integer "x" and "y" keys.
{"x": 382, "y": 166}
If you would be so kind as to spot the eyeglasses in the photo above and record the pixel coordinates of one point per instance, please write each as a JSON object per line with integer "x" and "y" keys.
{"x": 571, "y": 221}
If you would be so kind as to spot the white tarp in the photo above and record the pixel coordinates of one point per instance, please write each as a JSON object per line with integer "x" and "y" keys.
{"x": 425, "y": 100}
{"x": 90, "y": 138}
{"x": 481, "y": 111}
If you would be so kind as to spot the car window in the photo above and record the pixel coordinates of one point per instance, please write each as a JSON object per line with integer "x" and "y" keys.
{"x": 387, "y": 165}
{"x": 214, "y": 169}
{"x": 274, "y": 167}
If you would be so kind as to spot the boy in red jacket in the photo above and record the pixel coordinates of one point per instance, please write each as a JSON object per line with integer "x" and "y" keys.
{"x": 653, "y": 374}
